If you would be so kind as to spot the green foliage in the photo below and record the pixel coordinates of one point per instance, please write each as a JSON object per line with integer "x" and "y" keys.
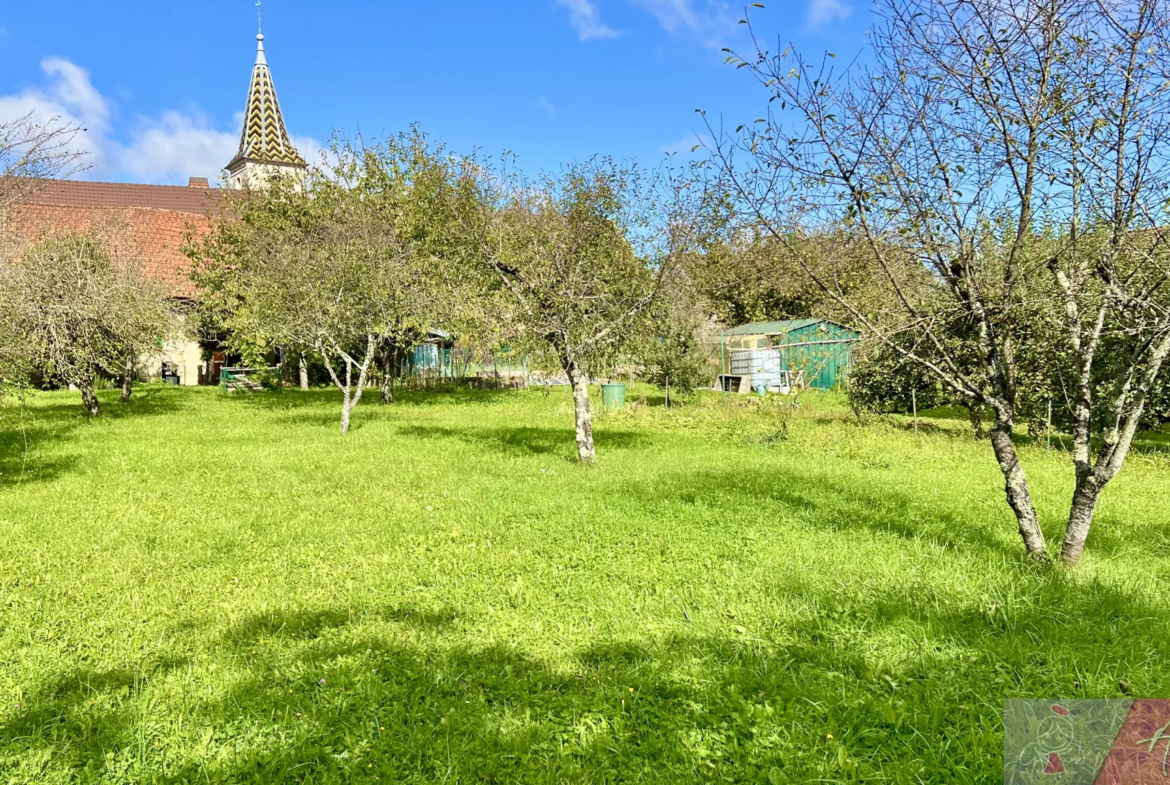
{"x": 261, "y": 602}
{"x": 70, "y": 312}
{"x": 884, "y": 381}
{"x": 355, "y": 257}
{"x": 576, "y": 259}
{"x": 677, "y": 356}
{"x": 357, "y": 249}
{"x": 753, "y": 278}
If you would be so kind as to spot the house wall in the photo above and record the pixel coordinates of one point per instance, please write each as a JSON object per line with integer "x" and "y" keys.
{"x": 183, "y": 354}
{"x": 259, "y": 176}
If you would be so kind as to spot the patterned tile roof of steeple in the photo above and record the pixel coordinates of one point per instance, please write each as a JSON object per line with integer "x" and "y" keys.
{"x": 265, "y": 138}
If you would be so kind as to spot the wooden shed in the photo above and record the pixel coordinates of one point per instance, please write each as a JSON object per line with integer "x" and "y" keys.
{"x": 818, "y": 350}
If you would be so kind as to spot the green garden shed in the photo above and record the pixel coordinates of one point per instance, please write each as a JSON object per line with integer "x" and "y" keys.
{"x": 819, "y": 349}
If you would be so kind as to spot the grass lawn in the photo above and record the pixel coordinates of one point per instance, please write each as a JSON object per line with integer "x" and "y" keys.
{"x": 199, "y": 588}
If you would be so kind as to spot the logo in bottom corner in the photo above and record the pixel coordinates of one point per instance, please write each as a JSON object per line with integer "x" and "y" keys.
{"x": 1087, "y": 742}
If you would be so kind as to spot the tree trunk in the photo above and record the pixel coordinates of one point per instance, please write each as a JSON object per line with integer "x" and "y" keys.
{"x": 1080, "y": 519}
{"x": 303, "y": 371}
{"x": 350, "y": 397}
{"x": 128, "y": 378}
{"x": 351, "y": 393}
{"x": 1019, "y": 496}
{"x": 975, "y": 413}
{"x": 347, "y": 407}
{"x": 387, "y": 391}
{"x": 387, "y": 377}
{"x": 89, "y": 398}
{"x": 582, "y": 413}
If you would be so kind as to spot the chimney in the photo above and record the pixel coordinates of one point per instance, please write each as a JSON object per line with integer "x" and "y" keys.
{"x": 198, "y": 182}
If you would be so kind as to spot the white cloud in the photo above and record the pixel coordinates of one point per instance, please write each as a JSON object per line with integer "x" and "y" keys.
{"x": 546, "y": 105}
{"x": 672, "y": 14}
{"x": 712, "y": 21}
{"x": 167, "y": 149}
{"x": 823, "y": 12}
{"x": 686, "y": 145}
{"x": 585, "y": 17}
{"x": 310, "y": 149}
{"x": 175, "y": 147}
{"x": 67, "y": 98}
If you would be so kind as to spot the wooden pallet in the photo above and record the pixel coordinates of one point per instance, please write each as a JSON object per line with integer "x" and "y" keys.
{"x": 245, "y": 385}
{"x": 734, "y": 383}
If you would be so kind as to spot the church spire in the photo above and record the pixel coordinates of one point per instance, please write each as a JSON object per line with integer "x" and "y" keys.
{"x": 265, "y": 147}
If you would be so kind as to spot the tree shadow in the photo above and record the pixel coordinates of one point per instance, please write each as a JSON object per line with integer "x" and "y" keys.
{"x": 314, "y": 624}
{"x": 296, "y": 399}
{"x": 27, "y": 429}
{"x": 350, "y": 699}
{"x": 832, "y": 505}
{"x": 523, "y": 440}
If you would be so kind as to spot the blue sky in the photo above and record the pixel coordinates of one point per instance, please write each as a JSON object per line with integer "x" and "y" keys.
{"x": 161, "y": 86}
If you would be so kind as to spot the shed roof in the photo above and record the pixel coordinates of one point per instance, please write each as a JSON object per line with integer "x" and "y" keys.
{"x": 777, "y": 328}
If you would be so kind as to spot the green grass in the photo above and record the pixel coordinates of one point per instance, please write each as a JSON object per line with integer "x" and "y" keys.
{"x": 200, "y": 588}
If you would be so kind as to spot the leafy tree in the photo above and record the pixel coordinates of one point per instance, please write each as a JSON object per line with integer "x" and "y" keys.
{"x": 30, "y": 152}
{"x": 752, "y": 277}
{"x": 885, "y": 381}
{"x": 980, "y": 125}
{"x": 576, "y": 260}
{"x": 674, "y": 357}
{"x": 344, "y": 263}
{"x": 77, "y": 314}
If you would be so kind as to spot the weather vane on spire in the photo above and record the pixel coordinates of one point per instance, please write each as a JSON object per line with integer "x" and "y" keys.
{"x": 259, "y": 18}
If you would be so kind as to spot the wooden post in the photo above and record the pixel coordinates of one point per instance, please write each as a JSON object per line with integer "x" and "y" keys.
{"x": 723, "y": 364}
{"x": 914, "y": 404}
{"x": 666, "y": 403}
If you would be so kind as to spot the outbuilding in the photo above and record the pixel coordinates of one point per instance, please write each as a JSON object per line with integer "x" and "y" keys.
{"x": 816, "y": 353}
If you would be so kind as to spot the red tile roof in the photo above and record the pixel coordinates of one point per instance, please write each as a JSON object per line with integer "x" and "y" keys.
{"x": 148, "y": 223}
{"x": 79, "y": 193}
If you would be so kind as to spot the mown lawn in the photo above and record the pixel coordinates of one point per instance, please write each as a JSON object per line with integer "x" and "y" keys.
{"x": 208, "y": 589}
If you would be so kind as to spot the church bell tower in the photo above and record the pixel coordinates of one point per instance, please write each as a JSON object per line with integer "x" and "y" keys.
{"x": 265, "y": 149}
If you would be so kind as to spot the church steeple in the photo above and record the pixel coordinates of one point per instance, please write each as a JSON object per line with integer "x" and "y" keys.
{"x": 265, "y": 149}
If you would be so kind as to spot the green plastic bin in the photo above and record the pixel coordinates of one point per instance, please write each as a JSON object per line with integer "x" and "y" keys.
{"x": 613, "y": 396}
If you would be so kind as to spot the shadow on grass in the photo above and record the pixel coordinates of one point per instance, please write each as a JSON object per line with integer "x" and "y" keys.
{"x": 831, "y": 505}
{"x": 310, "y": 625}
{"x": 321, "y": 407}
{"x": 26, "y": 430}
{"x": 525, "y": 440}
{"x": 350, "y": 698}
{"x": 331, "y": 397}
